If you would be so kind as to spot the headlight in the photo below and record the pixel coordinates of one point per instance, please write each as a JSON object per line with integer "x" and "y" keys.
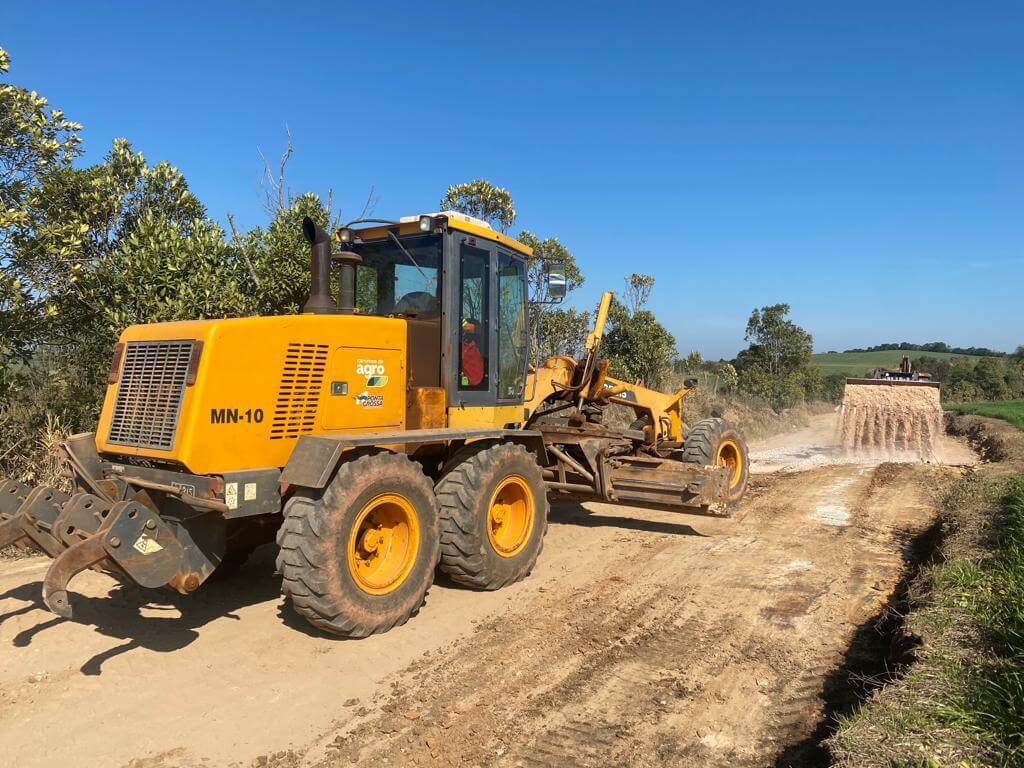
{"x": 426, "y": 223}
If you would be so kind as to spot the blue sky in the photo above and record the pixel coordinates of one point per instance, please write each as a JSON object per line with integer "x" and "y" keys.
{"x": 862, "y": 162}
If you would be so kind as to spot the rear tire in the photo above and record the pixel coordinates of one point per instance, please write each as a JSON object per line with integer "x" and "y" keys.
{"x": 358, "y": 557}
{"x": 494, "y": 514}
{"x": 716, "y": 442}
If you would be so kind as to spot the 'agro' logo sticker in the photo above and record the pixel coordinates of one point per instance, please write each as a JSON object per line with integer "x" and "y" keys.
{"x": 373, "y": 370}
{"x": 366, "y": 400}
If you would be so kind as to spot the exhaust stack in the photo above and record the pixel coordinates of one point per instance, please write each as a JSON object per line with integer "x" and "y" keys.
{"x": 319, "y": 301}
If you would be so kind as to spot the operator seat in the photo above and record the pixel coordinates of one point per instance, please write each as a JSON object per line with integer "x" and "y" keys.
{"x": 418, "y": 304}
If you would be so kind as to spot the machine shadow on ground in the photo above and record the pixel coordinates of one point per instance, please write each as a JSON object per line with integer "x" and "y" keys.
{"x": 574, "y": 513}
{"x": 126, "y": 612}
{"x": 119, "y": 614}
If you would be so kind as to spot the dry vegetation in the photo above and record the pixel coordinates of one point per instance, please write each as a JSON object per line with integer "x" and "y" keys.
{"x": 751, "y": 414}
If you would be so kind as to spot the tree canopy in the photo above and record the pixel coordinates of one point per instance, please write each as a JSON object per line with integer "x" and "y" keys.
{"x": 638, "y": 346}
{"x": 482, "y": 199}
{"x": 777, "y": 363}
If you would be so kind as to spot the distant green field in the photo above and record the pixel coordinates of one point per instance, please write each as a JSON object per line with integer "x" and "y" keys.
{"x": 860, "y": 363}
{"x": 1007, "y": 410}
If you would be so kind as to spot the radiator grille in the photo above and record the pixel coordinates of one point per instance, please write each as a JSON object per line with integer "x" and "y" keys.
{"x": 299, "y": 391}
{"x": 153, "y": 375}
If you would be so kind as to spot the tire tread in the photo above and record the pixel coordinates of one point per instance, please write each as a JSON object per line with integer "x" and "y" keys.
{"x": 305, "y": 561}
{"x": 462, "y": 557}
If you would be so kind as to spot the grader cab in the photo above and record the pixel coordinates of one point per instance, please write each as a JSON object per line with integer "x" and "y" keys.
{"x": 397, "y": 429}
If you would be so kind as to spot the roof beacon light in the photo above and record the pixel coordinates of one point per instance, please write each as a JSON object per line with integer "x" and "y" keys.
{"x": 344, "y": 235}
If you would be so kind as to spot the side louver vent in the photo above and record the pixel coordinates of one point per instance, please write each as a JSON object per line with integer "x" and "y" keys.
{"x": 299, "y": 391}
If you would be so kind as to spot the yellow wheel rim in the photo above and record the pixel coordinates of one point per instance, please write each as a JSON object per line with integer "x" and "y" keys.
{"x": 729, "y": 455}
{"x": 383, "y": 544}
{"x": 510, "y": 516}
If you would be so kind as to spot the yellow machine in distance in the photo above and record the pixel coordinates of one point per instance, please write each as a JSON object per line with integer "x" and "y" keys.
{"x": 395, "y": 429}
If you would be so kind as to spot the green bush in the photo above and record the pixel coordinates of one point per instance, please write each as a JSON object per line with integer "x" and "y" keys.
{"x": 1007, "y": 410}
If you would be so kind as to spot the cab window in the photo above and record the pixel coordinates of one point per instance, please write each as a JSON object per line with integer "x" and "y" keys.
{"x": 389, "y": 283}
{"x": 474, "y": 328}
{"x": 511, "y": 327}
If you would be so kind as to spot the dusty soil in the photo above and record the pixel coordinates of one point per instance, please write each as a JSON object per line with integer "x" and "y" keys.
{"x": 642, "y": 638}
{"x": 891, "y": 417}
{"x": 820, "y": 444}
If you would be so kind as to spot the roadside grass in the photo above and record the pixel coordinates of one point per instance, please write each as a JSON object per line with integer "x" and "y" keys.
{"x": 1007, "y": 410}
{"x": 961, "y": 702}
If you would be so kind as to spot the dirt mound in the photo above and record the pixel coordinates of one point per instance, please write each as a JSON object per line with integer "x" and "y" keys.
{"x": 888, "y": 419}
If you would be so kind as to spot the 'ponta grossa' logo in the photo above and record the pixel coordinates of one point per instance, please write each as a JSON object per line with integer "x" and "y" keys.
{"x": 366, "y": 400}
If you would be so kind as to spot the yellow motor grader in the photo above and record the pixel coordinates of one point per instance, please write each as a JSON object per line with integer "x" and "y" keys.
{"x": 397, "y": 429}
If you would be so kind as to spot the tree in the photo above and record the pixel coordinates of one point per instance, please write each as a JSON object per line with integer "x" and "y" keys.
{"x": 777, "y": 363}
{"x": 990, "y": 378}
{"x": 638, "y": 291}
{"x": 694, "y": 362}
{"x": 777, "y": 344}
{"x": 277, "y": 256}
{"x": 562, "y": 332}
{"x": 556, "y": 331}
{"x": 482, "y": 199}
{"x": 547, "y": 253}
{"x": 638, "y": 346}
{"x": 730, "y": 378}
{"x": 34, "y": 140}
{"x": 1017, "y": 371}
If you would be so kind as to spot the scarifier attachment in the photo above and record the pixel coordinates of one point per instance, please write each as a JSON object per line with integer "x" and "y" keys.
{"x": 126, "y": 538}
{"x": 12, "y": 496}
{"x": 891, "y": 416}
{"x": 84, "y": 531}
{"x": 33, "y": 519}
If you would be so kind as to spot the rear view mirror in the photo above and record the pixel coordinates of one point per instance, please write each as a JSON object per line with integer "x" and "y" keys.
{"x": 556, "y": 281}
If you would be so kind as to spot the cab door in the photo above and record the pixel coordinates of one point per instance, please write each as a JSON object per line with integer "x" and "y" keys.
{"x": 511, "y": 327}
{"x": 468, "y": 342}
{"x": 487, "y": 322}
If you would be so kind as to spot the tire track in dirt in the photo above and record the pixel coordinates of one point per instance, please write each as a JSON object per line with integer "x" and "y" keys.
{"x": 713, "y": 654}
{"x": 643, "y": 638}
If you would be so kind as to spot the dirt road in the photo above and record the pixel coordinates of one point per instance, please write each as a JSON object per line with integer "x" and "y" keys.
{"x": 642, "y": 638}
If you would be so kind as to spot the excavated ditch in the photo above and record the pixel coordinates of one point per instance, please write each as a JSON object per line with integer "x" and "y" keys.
{"x": 880, "y": 652}
{"x": 882, "y": 649}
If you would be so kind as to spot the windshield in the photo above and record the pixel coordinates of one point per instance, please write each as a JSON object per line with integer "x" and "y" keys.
{"x": 388, "y": 283}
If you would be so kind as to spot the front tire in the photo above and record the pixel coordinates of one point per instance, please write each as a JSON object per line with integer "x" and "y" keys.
{"x": 494, "y": 514}
{"x": 716, "y": 442}
{"x": 358, "y": 557}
